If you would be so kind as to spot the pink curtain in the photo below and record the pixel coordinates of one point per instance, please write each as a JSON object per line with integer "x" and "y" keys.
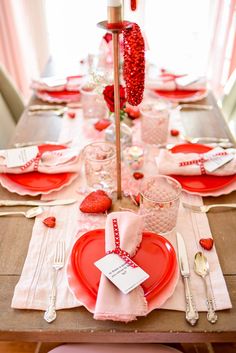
{"x": 221, "y": 55}
{"x": 18, "y": 50}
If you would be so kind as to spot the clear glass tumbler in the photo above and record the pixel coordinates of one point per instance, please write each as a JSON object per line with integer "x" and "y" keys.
{"x": 93, "y": 103}
{"x": 100, "y": 165}
{"x": 155, "y": 122}
{"x": 159, "y": 203}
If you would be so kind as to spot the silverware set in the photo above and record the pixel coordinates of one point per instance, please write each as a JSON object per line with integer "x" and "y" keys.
{"x": 201, "y": 268}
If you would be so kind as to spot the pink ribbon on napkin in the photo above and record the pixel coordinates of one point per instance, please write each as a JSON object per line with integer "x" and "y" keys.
{"x": 122, "y": 253}
{"x": 169, "y": 163}
{"x": 111, "y": 303}
{"x": 50, "y": 162}
{"x": 201, "y": 160}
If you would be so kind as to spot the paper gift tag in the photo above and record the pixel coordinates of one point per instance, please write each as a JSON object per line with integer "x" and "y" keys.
{"x": 217, "y": 161}
{"x": 120, "y": 273}
{"x": 17, "y": 157}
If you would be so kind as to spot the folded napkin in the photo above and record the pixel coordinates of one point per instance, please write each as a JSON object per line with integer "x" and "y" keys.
{"x": 171, "y": 82}
{"x": 54, "y": 83}
{"x": 111, "y": 303}
{"x": 193, "y": 163}
{"x": 51, "y": 162}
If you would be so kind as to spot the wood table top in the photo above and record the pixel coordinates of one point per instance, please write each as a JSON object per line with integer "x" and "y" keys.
{"x": 78, "y": 325}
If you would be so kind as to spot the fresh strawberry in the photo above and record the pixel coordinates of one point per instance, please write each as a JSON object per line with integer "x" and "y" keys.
{"x": 206, "y": 243}
{"x": 174, "y": 132}
{"x": 102, "y": 124}
{"x": 96, "y": 202}
{"x": 138, "y": 175}
{"x": 50, "y": 222}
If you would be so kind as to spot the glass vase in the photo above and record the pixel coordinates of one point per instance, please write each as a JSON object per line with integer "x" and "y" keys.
{"x": 125, "y": 133}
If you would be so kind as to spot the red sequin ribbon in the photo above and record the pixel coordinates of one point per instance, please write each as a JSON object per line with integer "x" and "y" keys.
{"x": 122, "y": 253}
{"x": 34, "y": 160}
{"x": 134, "y": 63}
{"x": 202, "y": 160}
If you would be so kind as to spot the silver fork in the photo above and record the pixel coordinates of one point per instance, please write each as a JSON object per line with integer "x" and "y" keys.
{"x": 58, "y": 262}
{"x": 206, "y": 208}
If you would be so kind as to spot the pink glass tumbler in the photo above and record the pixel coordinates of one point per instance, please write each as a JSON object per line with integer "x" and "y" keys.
{"x": 159, "y": 203}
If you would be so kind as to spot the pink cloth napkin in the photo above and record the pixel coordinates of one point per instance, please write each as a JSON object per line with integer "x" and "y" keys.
{"x": 111, "y": 303}
{"x": 54, "y": 83}
{"x": 171, "y": 163}
{"x": 171, "y": 82}
{"x": 51, "y": 162}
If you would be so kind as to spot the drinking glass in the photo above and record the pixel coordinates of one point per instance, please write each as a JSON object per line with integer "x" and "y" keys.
{"x": 100, "y": 165}
{"x": 155, "y": 122}
{"x": 93, "y": 103}
{"x": 159, "y": 203}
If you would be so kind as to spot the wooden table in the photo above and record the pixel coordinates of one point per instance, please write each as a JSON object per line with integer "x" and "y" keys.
{"x": 78, "y": 325}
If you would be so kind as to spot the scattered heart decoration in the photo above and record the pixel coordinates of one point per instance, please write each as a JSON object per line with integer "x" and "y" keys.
{"x": 96, "y": 202}
{"x": 206, "y": 243}
{"x": 102, "y": 124}
{"x": 50, "y": 222}
{"x": 138, "y": 175}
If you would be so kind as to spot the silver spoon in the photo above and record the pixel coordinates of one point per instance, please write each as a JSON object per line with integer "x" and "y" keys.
{"x": 31, "y": 213}
{"x": 201, "y": 267}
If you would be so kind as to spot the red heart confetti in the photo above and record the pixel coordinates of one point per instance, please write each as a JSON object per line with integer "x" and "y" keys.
{"x": 96, "y": 202}
{"x": 50, "y": 222}
{"x": 206, "y": 243}
{"x": 71, "y": 115}
{"x": 102, "y": 124}
{"x": 174, "y": 132}
{"x": 138, "y": 175}
{"x": 137, "y": 199}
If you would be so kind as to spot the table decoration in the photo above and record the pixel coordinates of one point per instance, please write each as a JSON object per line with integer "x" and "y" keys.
{"x": 134, "y": 65}
{"x": 134, "y": 157}
{"x": 125, "y": 130}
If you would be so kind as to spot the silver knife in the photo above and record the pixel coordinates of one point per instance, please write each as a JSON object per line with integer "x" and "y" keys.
{"x": 36, "y": 202}
{"x": 191, "y": 311}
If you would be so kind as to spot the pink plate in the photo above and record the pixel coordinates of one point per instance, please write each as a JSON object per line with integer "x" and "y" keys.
{"x": 156, "y": 256}
{"x": 40, "y": 182}
{"x": 200, "y": 183}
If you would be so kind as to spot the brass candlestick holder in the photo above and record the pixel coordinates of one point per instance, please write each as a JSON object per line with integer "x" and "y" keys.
{"x": 115, "y": 26}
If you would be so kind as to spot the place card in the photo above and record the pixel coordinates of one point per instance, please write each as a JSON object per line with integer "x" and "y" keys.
{"x": 120, "y": 273}
{"x": 218, "y": 161}
{"x": 18, "y": 157}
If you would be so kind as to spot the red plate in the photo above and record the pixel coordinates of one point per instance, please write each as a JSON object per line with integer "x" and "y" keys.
{"x": 182, "y": 95}
{"x": 58, "y": 96}
{"x": 41, "y": 181}
{"x": 200, "y": 183}
{"x": 156, "y": 256}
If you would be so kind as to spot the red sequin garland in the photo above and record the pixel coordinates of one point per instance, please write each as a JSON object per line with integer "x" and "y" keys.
{"x": 134, "y": 63}
{"x": 133, "y": 5}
